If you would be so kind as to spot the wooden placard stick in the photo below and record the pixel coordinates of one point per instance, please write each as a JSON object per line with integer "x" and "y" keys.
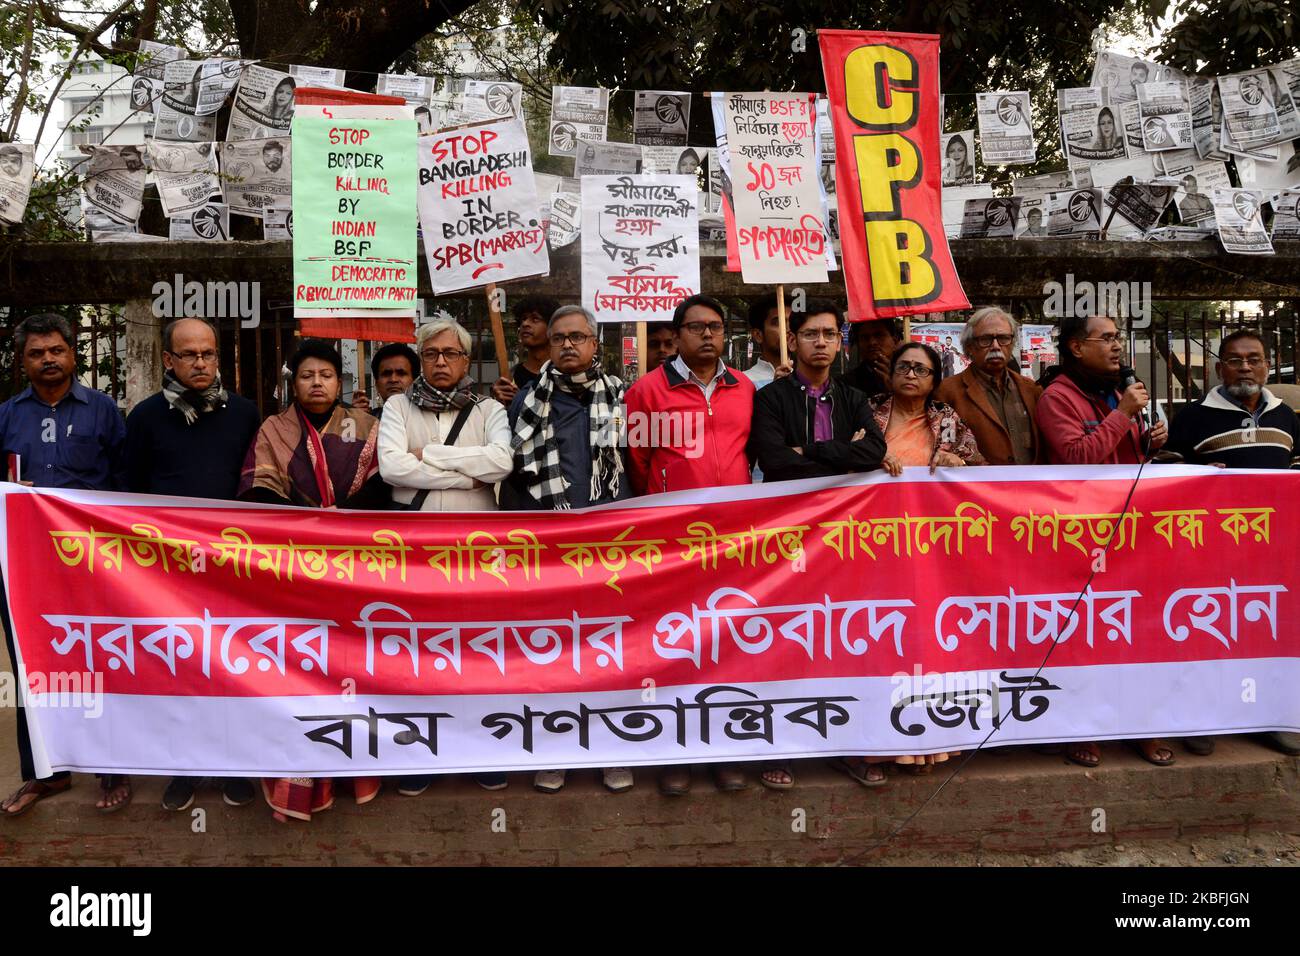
{"x": 780, "y": 318}
{"x": 498, "y": 331}
{"x": 642, "y": 349}
{"x": 361, "y": 365}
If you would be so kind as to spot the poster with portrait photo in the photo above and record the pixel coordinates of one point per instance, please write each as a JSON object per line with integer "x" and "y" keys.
{"x": 1196, "y": 185}
{"x": 953, "y": 201}
{"x": 944, "y": 338}
{"x": 1206, "y": 106}
{"x": 958, "y": 157}
{"x": 217, "y": 78}
{"x": 257, "y": 175}
{"x": 1142, "y": 204}
{"x": 661, "y": 117}
{"x": 1092, "y": 134}
{"x": 17, "y": 170}
{"x": 1280, "y": 79}
{"x": 1166, "y": 116}
{"x": 579, "y": 114}
{"x": 263, "y": 105}
{"x": 1119, "y": 75}
{"x": 1006, "y": 128}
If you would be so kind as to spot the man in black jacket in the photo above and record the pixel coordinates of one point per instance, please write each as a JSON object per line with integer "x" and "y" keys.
{"x": 808, "y": 425}
{"x": 190, "y": 439}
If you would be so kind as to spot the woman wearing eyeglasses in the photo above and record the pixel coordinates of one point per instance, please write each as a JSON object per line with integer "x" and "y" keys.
{"x": 920, "y": 431}
{"x": 317, "y": 453}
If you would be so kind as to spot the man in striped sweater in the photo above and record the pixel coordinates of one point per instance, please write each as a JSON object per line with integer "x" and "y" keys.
{"x": 1239, "y": 424}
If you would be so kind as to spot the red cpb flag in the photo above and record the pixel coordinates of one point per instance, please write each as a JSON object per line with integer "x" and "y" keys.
{"x": 884, "y": 95}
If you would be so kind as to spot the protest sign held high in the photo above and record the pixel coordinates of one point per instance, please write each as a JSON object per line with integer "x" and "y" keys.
{"x": 771, "y": 139}
{"x": 640, "y": 246}
{"x": 354, "y": 199}
{"x": 884, "y": 93}
{"x": 478, "y": 206}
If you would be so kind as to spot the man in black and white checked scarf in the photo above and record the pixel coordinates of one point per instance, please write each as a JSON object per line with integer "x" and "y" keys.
{"x": 536, "y": 448}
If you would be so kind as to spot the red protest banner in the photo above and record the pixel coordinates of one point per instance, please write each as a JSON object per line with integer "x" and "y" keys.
{"x": 884, "y": 95}
{"x": 872, "y": 615}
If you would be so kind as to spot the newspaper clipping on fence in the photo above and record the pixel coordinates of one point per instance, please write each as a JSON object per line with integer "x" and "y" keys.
{"x": 1286, "y": 215}
{"x": 210, "y": 222}
{"x": 1074, "y": 214}
{"x": 990, "y": 218}
{"x": 185, "y": 174}
{"x": 607, "y": 159}
{"x": 148, "y": 78}
{"x": 257, "y": 174}
{"x": 1006, "y": 131}
{"x": 1166, "y": 118}
{"x": 578, "y": 114}
{"x": 1249, "y": 116}
{"x": 1238, "y": 213}
{"x": 114, "y": 183}
{"x": 263, "y": 104}
{"x": 17, "y": 169}
{"x": 661, "y": 118}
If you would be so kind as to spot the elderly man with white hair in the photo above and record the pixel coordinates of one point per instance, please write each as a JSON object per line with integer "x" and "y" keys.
{"x": 996, "y": 403}
{"x": 444, "y": 448}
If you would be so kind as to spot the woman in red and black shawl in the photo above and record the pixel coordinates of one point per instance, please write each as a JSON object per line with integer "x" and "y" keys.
{"x": 315, "y": 454}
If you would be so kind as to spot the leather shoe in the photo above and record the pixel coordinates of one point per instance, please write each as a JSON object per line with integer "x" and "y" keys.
{"x": 675, "y": 781}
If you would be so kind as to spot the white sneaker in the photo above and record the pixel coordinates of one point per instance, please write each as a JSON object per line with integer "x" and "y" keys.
{"x": 549, "y": 781}
{"x": 617, "y": 779}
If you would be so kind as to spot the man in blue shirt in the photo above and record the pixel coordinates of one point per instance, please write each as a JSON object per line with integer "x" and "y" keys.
{"x": 68, "y": 436}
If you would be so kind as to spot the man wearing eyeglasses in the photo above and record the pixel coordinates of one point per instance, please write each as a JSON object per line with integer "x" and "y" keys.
{"x": 190, "y": 440}
{"x": 1239, "y": 424}
{"x": 996, "y": 403}
{"x": 442, "y": 447}
{"x": 1085, "y": 419}
{"x": 1083, "y": 416}
{"x": 807, "y": 425}
{"x": 706, "y": 405}
{"x": 566, "y": 435}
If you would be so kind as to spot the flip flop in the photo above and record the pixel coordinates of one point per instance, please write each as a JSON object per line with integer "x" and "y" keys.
{"x": 858, "y": 771}
{"x": 1072, "y": 749}
{"x": 1147, "y": 748}
{"x": 38, "y": 787}
{"x": 109, "y": 783}
{"x": 773, "y": 784}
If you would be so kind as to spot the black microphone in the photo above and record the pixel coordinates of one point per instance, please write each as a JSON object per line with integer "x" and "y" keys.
{"x": 1127, "y": 377}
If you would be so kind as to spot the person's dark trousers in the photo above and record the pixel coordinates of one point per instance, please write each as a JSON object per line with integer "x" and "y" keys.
{"x": 26, "y": 764}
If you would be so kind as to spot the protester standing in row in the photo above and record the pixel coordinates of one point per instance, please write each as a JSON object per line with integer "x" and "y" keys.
{"x": 532, "y": 313}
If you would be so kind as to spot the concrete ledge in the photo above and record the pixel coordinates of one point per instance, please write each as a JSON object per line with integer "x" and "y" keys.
{"x": 1008, "y": 801}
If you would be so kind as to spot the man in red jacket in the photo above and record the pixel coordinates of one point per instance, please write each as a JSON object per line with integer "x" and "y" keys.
{"x": 688, "y": 420}
{"x": 687, "y": 427}
{"x": 1085, "y": 419}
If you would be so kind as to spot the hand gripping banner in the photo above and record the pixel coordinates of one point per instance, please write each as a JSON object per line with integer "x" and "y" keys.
{"x": 884, "y": 95}
{"x": 858, "y": 615}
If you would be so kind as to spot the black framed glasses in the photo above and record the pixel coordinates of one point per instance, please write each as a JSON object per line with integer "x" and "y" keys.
{"x": 984, "y": 341}
{"x": 577, "y": 338}
{"x": 913, "y": 368}
{"x": 447, "y": 355}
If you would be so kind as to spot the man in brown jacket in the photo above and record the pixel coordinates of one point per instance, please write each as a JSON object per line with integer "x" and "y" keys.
{"x": 997, "y": 403}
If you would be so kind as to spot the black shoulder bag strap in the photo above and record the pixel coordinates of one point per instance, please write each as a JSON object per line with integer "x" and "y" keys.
{"x": 417, "y": 503}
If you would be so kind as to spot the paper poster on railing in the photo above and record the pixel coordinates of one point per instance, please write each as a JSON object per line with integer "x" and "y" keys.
{"x": 640, "y": 246}
{"x": 263, "y": 104}
{"x": 148, "y": 78}
{"x": 1006, "y": 128}
{"x": 257, "y": 174}
{"x": 186, "y": 175}
{"x": 17, "y": 170}
{"x": 780, "y": 229}
{"x": 1238, "y": 214}
{"x": 479, "y": 210}
{"x": 661, "y": 118}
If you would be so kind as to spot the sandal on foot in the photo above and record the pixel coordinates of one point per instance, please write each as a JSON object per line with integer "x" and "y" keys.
{"x": 110, "y": 784}
{"x": 40, "y": 788}
{"x": 1148, "y": 748}
{"x": 1075, "y": 754}
{"x": 867, "y": 774}
{"x": 774, "y": 769}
